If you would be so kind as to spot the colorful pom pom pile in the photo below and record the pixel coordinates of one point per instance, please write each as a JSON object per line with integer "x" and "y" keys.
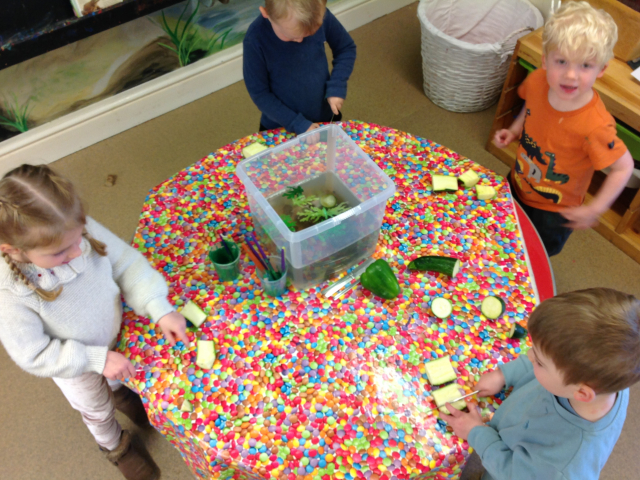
{"x": 309, "y": 388}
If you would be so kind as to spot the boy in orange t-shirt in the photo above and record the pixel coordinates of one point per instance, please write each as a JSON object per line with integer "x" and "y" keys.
{"x": 566, "y": 130}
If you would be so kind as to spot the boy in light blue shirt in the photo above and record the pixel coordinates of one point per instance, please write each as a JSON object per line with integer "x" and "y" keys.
{"x": 570, "y": 394}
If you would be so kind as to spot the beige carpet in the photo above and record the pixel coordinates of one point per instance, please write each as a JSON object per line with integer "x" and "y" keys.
{"x": 43, "y": 438}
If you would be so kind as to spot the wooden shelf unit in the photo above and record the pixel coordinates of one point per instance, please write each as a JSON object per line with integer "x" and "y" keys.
{"x": 620, "y": 93}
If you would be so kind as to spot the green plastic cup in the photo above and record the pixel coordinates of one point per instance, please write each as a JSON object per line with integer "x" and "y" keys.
{"x": 274, "y": 288}
{"x": 227, "y": 266}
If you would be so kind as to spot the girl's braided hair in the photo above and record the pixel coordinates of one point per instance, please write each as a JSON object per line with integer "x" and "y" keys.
{"x": 37, "y": 207}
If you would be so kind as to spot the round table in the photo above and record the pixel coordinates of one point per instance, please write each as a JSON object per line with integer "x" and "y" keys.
{"x": 306, "y": 387}
{"x": 542, "y": 278}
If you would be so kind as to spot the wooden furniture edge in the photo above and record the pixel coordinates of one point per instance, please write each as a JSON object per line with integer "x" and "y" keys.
{"x": 628, "y": 241}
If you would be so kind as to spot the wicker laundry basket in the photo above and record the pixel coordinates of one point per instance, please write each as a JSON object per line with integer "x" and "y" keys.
{"x": 466, "y": 47}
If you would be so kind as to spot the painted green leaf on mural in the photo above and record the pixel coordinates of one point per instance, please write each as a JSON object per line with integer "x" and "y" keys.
{"x": 188, "y": 43}
{"x": 16, "y": 116}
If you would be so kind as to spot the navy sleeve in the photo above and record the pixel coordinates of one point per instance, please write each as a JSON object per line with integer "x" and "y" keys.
{"x": 256, "y": 79}
{"x": 344, "y": 56}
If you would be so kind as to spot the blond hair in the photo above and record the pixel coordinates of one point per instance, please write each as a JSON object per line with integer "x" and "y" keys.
{"x": 592, "y": 336}
{"x": 308, "y": 13}
{"x": 37, "y": 208}
{"x": 581, "y": 32}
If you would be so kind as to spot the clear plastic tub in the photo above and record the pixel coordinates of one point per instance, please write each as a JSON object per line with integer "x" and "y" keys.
{"x": 325, "y": 160}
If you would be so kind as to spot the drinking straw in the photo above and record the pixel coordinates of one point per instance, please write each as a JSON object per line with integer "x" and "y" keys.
{"x": 270, "y": 272}
{"x": 227, "y": 248}
{"x": 259, "y": 247}
{"x": 254, "y": 258}
{"x": 263, "y": 261}
{"x": 255, "y": 255}
{"x": 282, "y": 266}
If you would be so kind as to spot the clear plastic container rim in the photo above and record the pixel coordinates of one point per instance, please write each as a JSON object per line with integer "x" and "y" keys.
{"x": 294, "y": 237}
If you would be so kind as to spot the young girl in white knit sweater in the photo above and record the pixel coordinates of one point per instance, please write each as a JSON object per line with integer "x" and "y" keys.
{"x": 60, "y": 286}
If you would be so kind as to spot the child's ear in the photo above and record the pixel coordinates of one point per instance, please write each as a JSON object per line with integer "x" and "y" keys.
{"x": 544, "y": 62}
{"x": 602, "y": 70}
{"x": 13, "y": 252}
{"x": 263, "y": 11}
{"x": 8, "y": 249}
{"x": 584, "y": 393}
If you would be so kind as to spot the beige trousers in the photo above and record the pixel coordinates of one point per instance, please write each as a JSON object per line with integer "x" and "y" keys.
{"x": 92, "y": 395}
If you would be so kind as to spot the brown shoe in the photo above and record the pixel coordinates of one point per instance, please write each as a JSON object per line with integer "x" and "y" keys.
{"x": 129, "y": 403}
{"x": 132, "y": 461}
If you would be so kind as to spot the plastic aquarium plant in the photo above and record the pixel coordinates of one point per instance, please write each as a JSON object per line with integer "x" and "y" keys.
{"x": 310, "y": 209}
{"x": 303, "y": 202}
{"x": 289, "y": 222}
{"x": 188, "y": 44}
{"x": 319, "y": 214}
{"x": 17, "y": 116}
{"x": 293, "y": 192}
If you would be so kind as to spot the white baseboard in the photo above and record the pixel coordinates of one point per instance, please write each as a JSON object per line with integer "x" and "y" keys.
{"x": 108, "y": 117}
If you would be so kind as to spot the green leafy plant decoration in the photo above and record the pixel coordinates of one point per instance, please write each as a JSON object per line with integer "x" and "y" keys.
{"x": 319, "y": 214}
{"x": 188, "y": 40}
{"x": 289, "y": 222}
{"x": 309, "y": 208}
{"x": 17, "y": 115}
{"x": 293, "y": 192}
{"x": 303, "y": 201}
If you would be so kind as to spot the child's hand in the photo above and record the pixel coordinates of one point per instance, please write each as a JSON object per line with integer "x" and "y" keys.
{"x": 461, "y": 422}
{"x": 580, "y": 217}
{"x": 118, "y": 367}
{"x": 336, "y": 104}
{"x": 315, "y": 138}
{"x": 490, "y": 383}
{"x": 503, "y": 137}
{"x": 174, "y": 325}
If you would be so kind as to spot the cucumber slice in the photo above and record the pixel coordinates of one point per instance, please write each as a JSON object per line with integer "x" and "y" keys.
{"x": 485, "y": 192}
{"x": 446, "y": 394}
{"x": 186, "y": 406}
{"x": 206, "y": 355}
{"x": 518, "y": 331}
{"x": 444, "y": 182}
{"x": 192, "y": 312}
{"x": 492, "y": 307}
{"x": 469, "y": 178}
{"x": 253, "y": 149}
{"x": 433, "y": 263}
{"x": 441, "y": 307}
{"x": 440, "y": 371}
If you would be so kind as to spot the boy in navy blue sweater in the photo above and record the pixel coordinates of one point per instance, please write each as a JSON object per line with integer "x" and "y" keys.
{"x": 285, "y": 65}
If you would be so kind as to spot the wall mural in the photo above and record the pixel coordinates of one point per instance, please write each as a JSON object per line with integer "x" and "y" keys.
{"x": 62, "y": 81}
